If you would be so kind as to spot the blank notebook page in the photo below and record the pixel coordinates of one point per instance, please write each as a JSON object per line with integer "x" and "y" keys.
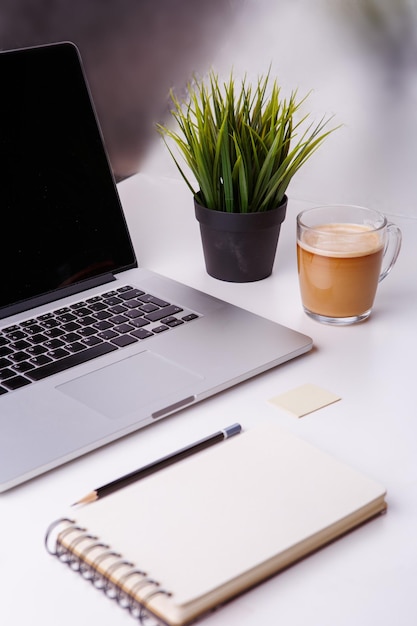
{"x": 215, "y": 516}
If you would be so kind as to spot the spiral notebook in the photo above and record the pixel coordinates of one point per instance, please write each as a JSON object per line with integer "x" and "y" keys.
{"x": 188, "y": 538}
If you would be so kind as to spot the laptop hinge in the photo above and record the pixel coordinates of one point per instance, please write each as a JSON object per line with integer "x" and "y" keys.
{"x": 57, "y": 294}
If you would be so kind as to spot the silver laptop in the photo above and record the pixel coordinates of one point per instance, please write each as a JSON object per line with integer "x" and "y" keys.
{"x": 91, "y": 346}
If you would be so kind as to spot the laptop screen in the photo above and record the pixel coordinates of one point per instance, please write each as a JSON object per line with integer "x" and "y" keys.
{"x": 62, "y": 223}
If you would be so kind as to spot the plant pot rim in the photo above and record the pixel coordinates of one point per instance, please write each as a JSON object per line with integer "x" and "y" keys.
{"x": 256, "y": 220}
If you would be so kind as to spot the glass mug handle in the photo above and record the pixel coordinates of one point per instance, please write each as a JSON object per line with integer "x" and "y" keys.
{"x": 393, "y": 245}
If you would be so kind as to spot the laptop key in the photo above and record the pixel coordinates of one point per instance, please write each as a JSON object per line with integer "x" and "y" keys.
{"x": 70, "y": 326}
{"x": 17, "y": 357}
{"x": 97, "y": 306}
{"x": 161, "y": 313}
{"x": 88, "y": 320}
{"x": 132, "y": 293}
{"x": 53, "y": 344}
{"x": 6, "y": 373}
{"x": 123, "y": 328}
{"x": 45, "y": 316}
{"x": 110, "y": 294}
{"x": 59, "y": 353}
{"x": 40, "y": 337}
{"x": 133, "y": 303}
{"x": 92, "y": 341}
{"x": 16, "y": 382}
{"x": 172, "y": 321}
{"x": 118, "y": 319}
{"x": 125, "y": 288}
{"x": 11, "y": 329}
{"x": 34, "y": 329}
{"x": 22, "y": 368}
{"x": 66, "y": 317}
{"x": 133, "y": 313}
{"x": 36, "y": 350}
{"x": 50, "y": 323}
{"x": 191, "y": 316}
{"x": 70, "y": 337}
{"x": 113, "y": 301}
{"x": 142, "y": 333}
{"x": 77, "y": 346}
{"x": 87, "y": 331}
{"x": 117, "y": 309}
{"x": 149, "y": 307}
{"x": 147, "y": 297}
{"x": 107, "y": 334}
{"x": 22, "y": 344}
{"x": 53, "y": 332}
{"x": 83, "y": 311}
{"x": 16, "y": 335}
{"x": 42, "y": 359}
{"x": 70, "y": 361}
{"x": 103, "y": 325}
{"x": 138, "y": 323}
{"x": 77, "y": 305}
{"x": 102, "y": 315}
{"x": 124, "y": 340}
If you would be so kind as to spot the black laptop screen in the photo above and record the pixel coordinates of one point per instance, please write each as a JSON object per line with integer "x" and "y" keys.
{"x": 61, "y": 219}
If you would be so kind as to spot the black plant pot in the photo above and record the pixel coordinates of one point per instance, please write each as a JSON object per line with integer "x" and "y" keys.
{"x": 240, "y": 247}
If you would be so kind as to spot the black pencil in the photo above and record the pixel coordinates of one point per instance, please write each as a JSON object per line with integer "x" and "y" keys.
{"x": 165, "y": 461}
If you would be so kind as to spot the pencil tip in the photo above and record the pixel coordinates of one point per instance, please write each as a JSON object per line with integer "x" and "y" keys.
{"x": 90, "y": 497}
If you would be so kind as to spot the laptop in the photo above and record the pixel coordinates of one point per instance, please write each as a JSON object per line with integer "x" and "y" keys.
{"x": 92, "y": 347}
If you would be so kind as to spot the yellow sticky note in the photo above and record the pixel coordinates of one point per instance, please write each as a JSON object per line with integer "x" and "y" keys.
{"x": 304, "y": 399}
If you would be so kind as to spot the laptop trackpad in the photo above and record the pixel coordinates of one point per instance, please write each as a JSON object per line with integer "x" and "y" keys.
{"x": 131, "y": 384}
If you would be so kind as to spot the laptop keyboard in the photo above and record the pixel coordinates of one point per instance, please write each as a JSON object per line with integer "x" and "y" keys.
{"x": 51, "y": 343}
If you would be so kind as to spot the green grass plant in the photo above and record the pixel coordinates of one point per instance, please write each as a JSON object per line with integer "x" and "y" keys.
{"x": 241, "y": 143}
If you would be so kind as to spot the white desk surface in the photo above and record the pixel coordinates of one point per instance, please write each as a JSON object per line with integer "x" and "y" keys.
{"x": 368, "y": 577}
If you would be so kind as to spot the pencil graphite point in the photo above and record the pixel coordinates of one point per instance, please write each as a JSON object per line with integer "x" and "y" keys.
{"x": 90, "y": 497}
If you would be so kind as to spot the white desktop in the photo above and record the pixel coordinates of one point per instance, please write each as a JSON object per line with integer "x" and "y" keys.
{"x": 365, "y": 578}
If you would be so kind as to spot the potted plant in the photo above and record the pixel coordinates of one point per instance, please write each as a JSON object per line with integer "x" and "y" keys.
{"x": 243, "y": 147}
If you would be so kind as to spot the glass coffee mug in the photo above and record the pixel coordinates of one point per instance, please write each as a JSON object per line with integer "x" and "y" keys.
{"x": 343, "y": 252}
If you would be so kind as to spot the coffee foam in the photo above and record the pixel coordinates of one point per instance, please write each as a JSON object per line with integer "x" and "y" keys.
{"x": 341, "y": 240}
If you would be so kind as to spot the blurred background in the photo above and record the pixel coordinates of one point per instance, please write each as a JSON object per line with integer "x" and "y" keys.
{"x": 357, "y": 60}
{"x": 133, "y": 52}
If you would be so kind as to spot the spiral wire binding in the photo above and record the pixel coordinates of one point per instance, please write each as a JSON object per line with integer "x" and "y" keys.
{"x": 102, "y": 577}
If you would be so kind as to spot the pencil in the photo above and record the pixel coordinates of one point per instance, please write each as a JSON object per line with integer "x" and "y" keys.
{"x": 155, "y": 466}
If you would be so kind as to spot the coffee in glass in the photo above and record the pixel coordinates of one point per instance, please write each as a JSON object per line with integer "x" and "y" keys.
{"x": 340, "y": 253}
